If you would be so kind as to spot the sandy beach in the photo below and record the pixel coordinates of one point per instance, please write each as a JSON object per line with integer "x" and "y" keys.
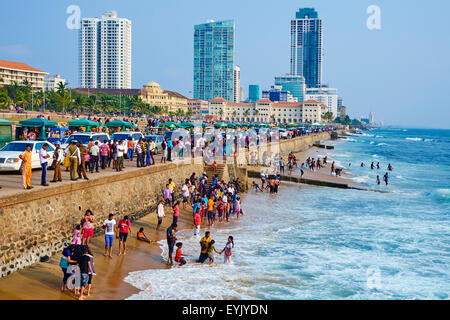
{"x": 42, "y": 281}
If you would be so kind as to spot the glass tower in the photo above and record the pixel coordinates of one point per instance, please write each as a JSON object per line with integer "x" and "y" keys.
{"x": 294, "y": 84}
{"x": 253, "y": 92}
{"x": 214, "y": 60}
{"x": 307, "y": 47}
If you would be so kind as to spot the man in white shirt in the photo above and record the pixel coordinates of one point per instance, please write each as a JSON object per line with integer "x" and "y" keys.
{"x": 95, "y": 151}
{"x": 151, "y": 147}
{"x": 43, "y": 156}
{"x": 58, "y": 158}
{"x": 160, "y": 213}
{"x": 120, "y": 150}
{"x": 185, "y": 193}
{"x": 110, "y": 230}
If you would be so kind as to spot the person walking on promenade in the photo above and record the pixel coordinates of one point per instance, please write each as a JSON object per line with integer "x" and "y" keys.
{"x": 26, "y": 167}
{"x": 147, "y": 152}
{"x": 110, "y": 231}
{"x": 139, "y": 154}
{"x": 104, "y": 154}
{"x": 332, "y": 168}
{"x": 95, "y": 152}
{"x": 160, "y": 213}
{"x": 131, "y": 147}
{"x": 152, "y": 146}
{"x": 75, "y": 159}
{"x": 58, "y": 157}
{"x": 82, "y": 166}
{"x": 120, "y": 152}
{"x": 169, "y": 149}
{"x": 124, "y": 228}
{"x": 43, "y": 159}
{"x": 171, "y": 239}
{"x": 164, "y": 151}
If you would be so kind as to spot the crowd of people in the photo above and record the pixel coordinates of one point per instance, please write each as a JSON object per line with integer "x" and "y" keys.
{"x": 212, "y": 200}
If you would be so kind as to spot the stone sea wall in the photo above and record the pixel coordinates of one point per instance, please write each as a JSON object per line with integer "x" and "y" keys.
{"x": 35, "y": 224}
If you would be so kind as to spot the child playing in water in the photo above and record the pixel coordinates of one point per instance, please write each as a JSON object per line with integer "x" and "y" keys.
{"x": 211, "y": 250}
{"x": 179, "y": 256}
{"x": 141, "y": 236}
{"x": 227, "y": 250}
{"x": 76, "y": 235}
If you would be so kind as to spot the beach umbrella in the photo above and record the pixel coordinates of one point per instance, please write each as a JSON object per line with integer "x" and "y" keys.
{"x": 186, "y": 124}
{"x": 220, "y": 125}
{"x": 119, "y": 124}
{"x": 83, "y": 123}
{"x": 169, "y": 124}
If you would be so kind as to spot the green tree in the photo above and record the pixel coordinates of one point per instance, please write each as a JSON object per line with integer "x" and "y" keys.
{"x": 4, "y": 98}
{"x": 20, "y": 99}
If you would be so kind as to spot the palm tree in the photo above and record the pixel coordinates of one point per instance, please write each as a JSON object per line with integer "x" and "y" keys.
{"x": 4, "y": 98}
{"x": 20, "y": 99}
{"x": 221, "y": 113}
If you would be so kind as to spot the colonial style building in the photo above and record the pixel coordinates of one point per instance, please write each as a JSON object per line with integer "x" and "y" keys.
{"x": 151, "y": 94}
{"x": 266, "y": 111}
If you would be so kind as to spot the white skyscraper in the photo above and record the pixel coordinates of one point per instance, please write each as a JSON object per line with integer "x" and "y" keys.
{"x": 105, "y": 52}
{"x": 236, "y": 84}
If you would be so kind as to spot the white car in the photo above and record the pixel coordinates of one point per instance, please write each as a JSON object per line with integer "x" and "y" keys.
{"x": 85, "y": 137}
{"x": 126, "y": 136}
{"x": 9, "y": 155}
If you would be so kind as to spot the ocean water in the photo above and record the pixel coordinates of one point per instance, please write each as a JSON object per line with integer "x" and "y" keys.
{"x": 322, "y": 243}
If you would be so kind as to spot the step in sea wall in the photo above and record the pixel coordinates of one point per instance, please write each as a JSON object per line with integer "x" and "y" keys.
{"x": 37, "y": 223}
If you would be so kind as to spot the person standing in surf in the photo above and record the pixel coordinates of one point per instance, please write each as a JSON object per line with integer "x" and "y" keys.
{"x": 229, "y": 245}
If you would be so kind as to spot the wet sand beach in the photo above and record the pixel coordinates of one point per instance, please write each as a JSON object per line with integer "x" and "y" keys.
{"x": 42, "y": 281}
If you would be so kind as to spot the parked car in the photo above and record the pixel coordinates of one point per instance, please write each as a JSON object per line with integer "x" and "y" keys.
{"x": 158, "y": 141}
{"x": 9, "y": 154}
{"x": 127, "y": 135}
{"x": 85, "y": 137}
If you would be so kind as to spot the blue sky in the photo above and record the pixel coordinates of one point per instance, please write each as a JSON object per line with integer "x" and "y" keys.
{"x": 399, "y": 72}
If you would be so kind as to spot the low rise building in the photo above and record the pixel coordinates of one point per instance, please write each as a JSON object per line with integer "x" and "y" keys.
{"x": 52, "y": 83}
{"x": 267, "y": 111}
{"x": 18, "y": 72}
{"x": 198, "y": 106}
{"x": 325, "y": 95}
{"x": 276, "y": 93}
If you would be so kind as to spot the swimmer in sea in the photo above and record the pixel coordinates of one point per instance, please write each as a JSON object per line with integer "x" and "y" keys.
{"x": 378, "y": 165}
{"x": 378, "y": 180}
{"x": 386, "y": 178}
{"x": 389, "y": 167}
